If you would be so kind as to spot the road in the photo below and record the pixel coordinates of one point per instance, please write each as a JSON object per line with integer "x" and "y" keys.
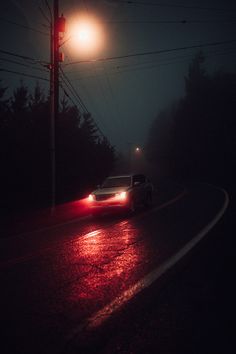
{"x": 66, "y": 289}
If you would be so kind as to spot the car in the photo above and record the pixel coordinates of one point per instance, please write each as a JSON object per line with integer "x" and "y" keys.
{"x": 121, "y": 192}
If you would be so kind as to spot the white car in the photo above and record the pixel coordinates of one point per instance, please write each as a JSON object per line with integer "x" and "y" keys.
{"x": 121, "y": 192}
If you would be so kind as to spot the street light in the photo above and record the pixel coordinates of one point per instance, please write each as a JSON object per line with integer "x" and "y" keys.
{"x": 88, "y": 34}
{"x": 85, "y": 34}
{"x": 57, "y": 28}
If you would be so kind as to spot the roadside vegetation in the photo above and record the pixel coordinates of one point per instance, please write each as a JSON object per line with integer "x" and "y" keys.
{"x": 83, "y": 156}
{"x": 195, "y": 138}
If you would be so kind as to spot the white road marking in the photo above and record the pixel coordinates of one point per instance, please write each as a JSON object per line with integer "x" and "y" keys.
{"x": 102, "y": 315}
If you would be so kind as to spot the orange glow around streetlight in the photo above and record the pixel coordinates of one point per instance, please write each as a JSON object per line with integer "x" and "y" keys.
{"x": 85, "y": 34}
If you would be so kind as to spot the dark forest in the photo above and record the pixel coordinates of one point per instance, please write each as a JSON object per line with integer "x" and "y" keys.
{"x": 194, "y": 139}
{"x": 83, "y": 156}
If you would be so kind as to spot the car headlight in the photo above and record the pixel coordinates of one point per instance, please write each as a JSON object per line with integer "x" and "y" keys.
{"x": 121, "y": 195}
{"x": 91, "y": 197}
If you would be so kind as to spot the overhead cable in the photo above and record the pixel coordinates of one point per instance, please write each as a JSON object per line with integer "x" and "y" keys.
{"x": 22, "y": 64}
{"x": 154, "y": 52}
{"x": 80, "y": 101}
{"x": 147, "y": 65}
{"x": 23, "y": 57}
{"x": 73, "y": 90}
{"x": 67, "y": 95}
{"x": 24, "y": 26}
{"x": 184, "y": 21}
{"x": 159, "y": 4}
{"x": 23, "y": 74}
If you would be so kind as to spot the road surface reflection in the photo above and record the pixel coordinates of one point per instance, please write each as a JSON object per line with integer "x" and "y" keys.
{"x": 107, "y": 261}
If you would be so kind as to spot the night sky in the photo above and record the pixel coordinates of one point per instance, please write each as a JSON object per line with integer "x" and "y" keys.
{"x": 124, "y": 95}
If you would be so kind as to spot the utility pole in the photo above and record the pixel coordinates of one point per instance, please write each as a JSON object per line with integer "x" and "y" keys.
{"x": 57, "y": 26}
{"x": 56, "y": 57}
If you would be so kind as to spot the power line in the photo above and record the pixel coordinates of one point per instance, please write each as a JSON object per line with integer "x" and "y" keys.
{"x": 49, "y": 9}
{"x": 97, "y": 126}
{"x": 48, "y": 19}
{"x": 76, "y": 95}
{"x": 179, "y": 57}
{"x": 155, "y": 59}
{"x": 23, "y": 74}
{"x": 22, "y": 64}
{"x": 44, "y": 15}
{"x": 148, "y": 3}
{"x": 24, "y": 26}
{"x": 151, "y": 64}
{"x": 23, "y": 57}
{"x": 70, "y": 90}
{"x": 67, "y": 95}
{"x": 136, "y": 22}
{"x": 153, "y": 52}
{"x": 93, "y": 103}
{"x": 73, "y": 90}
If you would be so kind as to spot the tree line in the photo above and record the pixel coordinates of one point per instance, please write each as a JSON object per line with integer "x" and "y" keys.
{"x": 195, "y": 138}
{"x": 83, "y": 156}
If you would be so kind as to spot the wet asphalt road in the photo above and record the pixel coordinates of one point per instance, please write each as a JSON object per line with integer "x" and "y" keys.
{"x": 53, "y": 281}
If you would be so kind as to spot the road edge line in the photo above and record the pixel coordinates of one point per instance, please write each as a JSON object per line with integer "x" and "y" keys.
{"x": 102, "y": 315}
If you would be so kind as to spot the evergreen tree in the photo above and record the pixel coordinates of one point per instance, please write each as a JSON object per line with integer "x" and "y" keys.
{"x": 82, "y": 158}
{"x": 4, "y": 111}
{"x": 20, "y": 105}
{"x": 200, "y": 140}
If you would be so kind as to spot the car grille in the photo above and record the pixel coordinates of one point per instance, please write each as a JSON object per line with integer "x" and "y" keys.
{"x": 101, "y": 197}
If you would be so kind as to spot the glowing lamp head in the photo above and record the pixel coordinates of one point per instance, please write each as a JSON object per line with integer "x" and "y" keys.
{"x": 85, "y": 34}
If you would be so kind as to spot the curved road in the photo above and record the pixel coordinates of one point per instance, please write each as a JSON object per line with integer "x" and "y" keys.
{"x": 62, "y": 282}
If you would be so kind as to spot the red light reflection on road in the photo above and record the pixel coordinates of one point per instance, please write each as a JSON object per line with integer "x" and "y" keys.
{"x": 111, "y": 259}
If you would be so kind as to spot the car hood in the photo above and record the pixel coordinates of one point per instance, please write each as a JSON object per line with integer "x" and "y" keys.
{"x": 110, "y": 190}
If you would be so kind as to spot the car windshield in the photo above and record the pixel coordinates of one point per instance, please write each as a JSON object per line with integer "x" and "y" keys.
{"x": 117, "y": 182}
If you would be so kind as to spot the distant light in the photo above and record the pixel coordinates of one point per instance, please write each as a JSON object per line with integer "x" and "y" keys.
{"x": 137, "y": 149}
